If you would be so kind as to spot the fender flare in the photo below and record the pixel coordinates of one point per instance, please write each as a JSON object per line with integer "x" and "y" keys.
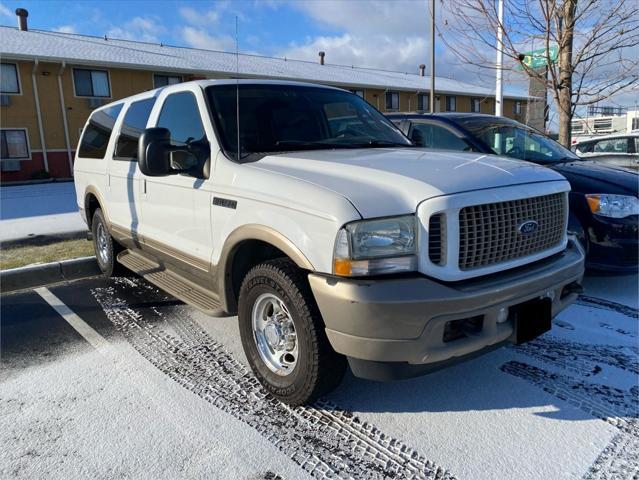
{"x": 233, "y": 242}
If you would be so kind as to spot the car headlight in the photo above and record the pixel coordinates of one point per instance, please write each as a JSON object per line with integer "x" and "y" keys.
{"x": 614, "y": 206}
{"x": 374, "y": 247}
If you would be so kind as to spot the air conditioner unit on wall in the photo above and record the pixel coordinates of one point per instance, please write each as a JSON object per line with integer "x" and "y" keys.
{"x": 10, "y": 165}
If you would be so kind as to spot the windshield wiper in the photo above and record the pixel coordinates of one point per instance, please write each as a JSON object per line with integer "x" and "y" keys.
{"x": 381, "y": 143}
{"x": 310, "y": 145}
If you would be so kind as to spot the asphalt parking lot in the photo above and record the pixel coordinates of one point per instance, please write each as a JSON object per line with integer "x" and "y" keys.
{"x": 111, "y": 378}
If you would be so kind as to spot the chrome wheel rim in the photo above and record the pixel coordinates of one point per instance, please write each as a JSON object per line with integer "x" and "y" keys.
{"x": 102, "y": 244}
{"x": 274, "y": 334}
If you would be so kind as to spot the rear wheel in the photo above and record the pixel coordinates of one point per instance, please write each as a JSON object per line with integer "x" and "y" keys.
{"x": 105, "y": 247}
{"x": 283, "y": 334}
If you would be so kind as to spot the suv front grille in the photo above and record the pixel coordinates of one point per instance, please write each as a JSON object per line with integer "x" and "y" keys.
{"x": 490, "y": 233}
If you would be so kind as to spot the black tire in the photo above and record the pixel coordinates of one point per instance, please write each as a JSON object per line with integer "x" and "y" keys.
{"x": 106, "y": 257}
{"x": 319, "y": 369}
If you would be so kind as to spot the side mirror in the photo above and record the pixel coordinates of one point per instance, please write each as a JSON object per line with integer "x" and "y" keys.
{"x": 154, "y": 152}
{"x": 417, "y": 137}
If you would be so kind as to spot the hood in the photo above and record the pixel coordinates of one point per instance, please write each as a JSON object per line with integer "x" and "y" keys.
{"x": 593, "y": 177}
{"x": 387, "y": 181}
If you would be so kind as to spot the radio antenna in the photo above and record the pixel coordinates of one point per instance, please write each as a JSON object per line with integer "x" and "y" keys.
{"x": 237, "y": 90}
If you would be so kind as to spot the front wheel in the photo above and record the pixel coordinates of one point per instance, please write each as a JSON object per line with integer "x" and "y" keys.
{"x": 283, "y": 334}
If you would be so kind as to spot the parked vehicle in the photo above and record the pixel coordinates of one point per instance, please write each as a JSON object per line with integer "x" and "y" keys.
{"x": 330, "y": 239}
{"x": 604, "y": 208}
{"x": 619, "y": 150}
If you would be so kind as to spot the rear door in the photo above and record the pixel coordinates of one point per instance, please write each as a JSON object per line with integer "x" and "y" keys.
{"x": 123, "y": 171}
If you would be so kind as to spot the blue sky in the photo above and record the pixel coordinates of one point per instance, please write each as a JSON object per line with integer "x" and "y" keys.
{"x": 380, "y": 34}
{"x": 391, "y": 35}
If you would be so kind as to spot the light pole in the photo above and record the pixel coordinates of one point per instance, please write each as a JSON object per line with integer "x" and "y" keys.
{"x": 499, "y": 94}
{"x": 432, "y": 56}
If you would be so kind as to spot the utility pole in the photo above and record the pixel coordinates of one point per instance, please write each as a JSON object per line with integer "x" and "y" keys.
{"x": 499, "y": 93}
{"x": 432, "y": 56}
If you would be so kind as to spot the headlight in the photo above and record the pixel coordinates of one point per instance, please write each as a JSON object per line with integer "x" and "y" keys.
{"x": 614, "y": 206}
{"x": 373, "y": 247}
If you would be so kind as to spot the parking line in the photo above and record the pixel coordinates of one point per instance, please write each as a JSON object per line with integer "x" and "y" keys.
{"x": 80, "y": 326}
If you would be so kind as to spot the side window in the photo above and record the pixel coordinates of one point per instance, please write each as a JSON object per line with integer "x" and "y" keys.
{"x": 617, "y": 145}
{"x": 91, "y": 83}
{"x": 98, "y": 131}
{"x": 9, "y": 78}
{"x": 133, "y": 123}
{"x": 181, "y": 116}
{"x": 14, "y": 144}
{"x": 434, "y": 136}
{"x": 164, "y": 80}
{"x": 392, "y": 100}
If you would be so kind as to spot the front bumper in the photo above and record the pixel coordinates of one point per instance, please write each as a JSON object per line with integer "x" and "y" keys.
{"x": 613, "y": 244}
{"x": 392, "y": 325}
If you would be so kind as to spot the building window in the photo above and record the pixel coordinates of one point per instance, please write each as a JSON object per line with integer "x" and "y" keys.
{"x": 392, "y": 100}
{"x": 14, "y": 144}
{"x": 133, "y": 124}
{"x": 423, "y": 101}
{"x": 164, "y": 80}
{"x": 359, "y": 93}
{"x": 97, "y": 133}
{"x": 91, "y": 83}
{"x": 451, "y": 103}
{"x": 635, "y": 124}
{"x": 475, "y": 105}
{"x": 517, "y": 107}
{"x": 9, "y": 79}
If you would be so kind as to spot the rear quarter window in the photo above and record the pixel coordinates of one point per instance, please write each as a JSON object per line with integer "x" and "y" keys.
{"x": 97, "y": 133}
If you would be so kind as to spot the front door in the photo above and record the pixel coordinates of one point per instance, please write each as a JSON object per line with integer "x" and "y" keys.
{"x": 176, "y": 213}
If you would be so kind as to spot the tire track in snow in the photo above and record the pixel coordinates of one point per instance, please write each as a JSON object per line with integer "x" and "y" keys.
{"x": 581, "y": 358}
{"x": 324, "y": 440}
{"x": 607, "y": 305}
{"x": 613, "y": 405}
{"x": 617, "y": 407}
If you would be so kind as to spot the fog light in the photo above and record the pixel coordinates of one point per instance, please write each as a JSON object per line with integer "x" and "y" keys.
{"x": 502, "y": 315}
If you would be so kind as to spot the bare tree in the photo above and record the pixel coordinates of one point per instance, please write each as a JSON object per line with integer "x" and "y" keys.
{"x": 597, "y": 44}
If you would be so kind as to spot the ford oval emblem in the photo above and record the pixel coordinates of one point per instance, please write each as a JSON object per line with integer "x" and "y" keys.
{"x": 528, "y": 227}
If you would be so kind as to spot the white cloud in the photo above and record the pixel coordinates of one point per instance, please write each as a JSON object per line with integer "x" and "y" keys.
{"x": 145, "y": 29}
{"x": 5, "y": 12}
{"x": 199, "y": 38}
{"x": 196, "y": 17}
{"x": 65, "y": 29}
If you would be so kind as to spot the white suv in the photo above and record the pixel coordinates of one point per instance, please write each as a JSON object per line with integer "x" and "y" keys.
{"x": 324, "y": 229}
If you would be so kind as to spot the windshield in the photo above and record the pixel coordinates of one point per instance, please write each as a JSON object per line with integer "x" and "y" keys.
{"x": 517, "y": 141}
{"x": 284, "y": 118}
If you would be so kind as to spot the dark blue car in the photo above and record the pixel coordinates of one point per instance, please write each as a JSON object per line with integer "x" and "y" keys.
{"x": 604, "y": 203}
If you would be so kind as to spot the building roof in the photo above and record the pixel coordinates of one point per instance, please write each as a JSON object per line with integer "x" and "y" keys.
{"x": 102, "y": 51}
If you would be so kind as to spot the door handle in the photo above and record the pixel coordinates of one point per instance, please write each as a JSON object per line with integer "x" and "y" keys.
{"x": 144, "y": 186}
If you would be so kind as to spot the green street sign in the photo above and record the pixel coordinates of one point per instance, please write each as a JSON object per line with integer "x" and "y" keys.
{"x": 538, "y": 58}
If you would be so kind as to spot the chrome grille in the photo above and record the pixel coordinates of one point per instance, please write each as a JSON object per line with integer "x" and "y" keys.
{"x": 489, "y": 233}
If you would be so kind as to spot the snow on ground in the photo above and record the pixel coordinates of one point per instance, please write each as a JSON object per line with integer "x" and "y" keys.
{"x": 39, "y": 209}
{"x": 171, "y": 397}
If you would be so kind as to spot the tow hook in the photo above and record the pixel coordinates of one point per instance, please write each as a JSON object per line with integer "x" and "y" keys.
{"x": 574, "y": 287}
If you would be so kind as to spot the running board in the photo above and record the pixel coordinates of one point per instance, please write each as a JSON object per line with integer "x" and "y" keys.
{"x": 171, "y": 282}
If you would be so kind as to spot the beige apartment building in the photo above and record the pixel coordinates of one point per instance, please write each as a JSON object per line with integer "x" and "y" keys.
{"x": 50, "y": 83}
